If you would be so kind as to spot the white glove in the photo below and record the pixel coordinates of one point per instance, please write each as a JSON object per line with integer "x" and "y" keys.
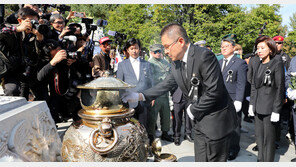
{"x": 189, "y": 112}
{"x": 237, "y": 105}
{"x": 130, "y": 97}
{"x": 291, "y": 94}
{"x": 251, "y": 112}
{"x": 275, "y": 117}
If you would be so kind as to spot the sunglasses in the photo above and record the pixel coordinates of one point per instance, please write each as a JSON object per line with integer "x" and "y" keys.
{"x": 279, "y": 42}
{"x": 157, "y": 51}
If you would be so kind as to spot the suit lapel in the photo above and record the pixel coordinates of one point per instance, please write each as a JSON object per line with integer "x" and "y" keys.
{"x": 190, "y": 65}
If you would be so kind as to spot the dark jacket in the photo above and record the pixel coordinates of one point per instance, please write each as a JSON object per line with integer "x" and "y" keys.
{"x": 267, "y": 98}
{"x": 101, "y": 64}
{"x": 214, "y": 112}
{"x": 236, "y": 85}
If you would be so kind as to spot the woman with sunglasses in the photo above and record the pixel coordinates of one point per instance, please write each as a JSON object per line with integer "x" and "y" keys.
{"x": 267, "y": 78}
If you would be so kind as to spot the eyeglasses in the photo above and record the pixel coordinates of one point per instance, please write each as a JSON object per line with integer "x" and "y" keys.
{"x": 59, "y": 22}
{"x": 279, "y": 43}
{"x": 169, "y": 47}
{"x": 157, "y": 51}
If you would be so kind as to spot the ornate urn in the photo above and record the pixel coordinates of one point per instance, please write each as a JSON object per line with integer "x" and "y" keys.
{"x": 108, "y": 132}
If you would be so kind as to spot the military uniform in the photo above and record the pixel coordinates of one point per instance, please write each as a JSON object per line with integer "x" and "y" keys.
{"x": 160, "y": 69}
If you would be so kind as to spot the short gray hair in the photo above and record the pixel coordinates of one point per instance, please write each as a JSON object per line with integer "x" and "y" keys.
{"x": 55, "y": 16}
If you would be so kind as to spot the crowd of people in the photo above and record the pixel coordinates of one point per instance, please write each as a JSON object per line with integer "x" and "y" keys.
{"x": 210, "y": 92}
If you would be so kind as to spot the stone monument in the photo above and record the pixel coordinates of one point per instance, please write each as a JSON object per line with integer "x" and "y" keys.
{"x": 27, "y": 131}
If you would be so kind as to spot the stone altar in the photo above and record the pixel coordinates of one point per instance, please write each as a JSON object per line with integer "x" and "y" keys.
{"x": 27, "y": 131}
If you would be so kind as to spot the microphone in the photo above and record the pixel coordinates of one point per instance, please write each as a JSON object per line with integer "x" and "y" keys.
{"x": 71, "y": 38}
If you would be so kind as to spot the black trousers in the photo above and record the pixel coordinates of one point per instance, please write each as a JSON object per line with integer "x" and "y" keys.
{"x": 141, "y": 113}
{"x": 265, "y": 132}
{"x": 207, "y": 150}
{"x": 178, "y": 112}
{"x": 235, "y": 136}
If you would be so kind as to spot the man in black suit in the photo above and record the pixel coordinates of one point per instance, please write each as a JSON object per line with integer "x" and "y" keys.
{"x": 178, "y": 112}
{"x": 196, "y": 71}
{"x": 234, "y": 72}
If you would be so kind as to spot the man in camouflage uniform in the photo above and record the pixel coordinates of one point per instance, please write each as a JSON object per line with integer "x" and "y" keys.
{"x": 160, "y": 68}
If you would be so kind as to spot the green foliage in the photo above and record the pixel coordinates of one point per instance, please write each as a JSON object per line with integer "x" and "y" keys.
{"x": 202, "y": 21}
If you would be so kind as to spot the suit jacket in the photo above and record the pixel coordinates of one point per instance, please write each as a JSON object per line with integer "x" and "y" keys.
{"x": 213, "y": 112}
{"x": 177, "y": 95}
{"x": 236, "y": 88}
{"x": 267, "y": 99}
{"x": 126, "y": 73}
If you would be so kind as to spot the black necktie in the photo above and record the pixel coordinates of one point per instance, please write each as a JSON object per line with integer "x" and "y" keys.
{"x": 224, "y": 65}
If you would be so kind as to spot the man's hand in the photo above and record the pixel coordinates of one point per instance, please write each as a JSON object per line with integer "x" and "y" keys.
{"x": 63, "y": 33}
{"x": 275, "y": 117}
{"x": 25, "y": 25}
{"x": 152, "y": 103}
{"x": 70, "y": 61}
{"x": 59, "y": 56}
{"x": 251, "y": 112}
{"x": 70, "y": 15}
{"x": 237, "y": 105}
{"x": 131, "y": 97}
{"x": 39, "y": 37}
{"x": 189, "y": 112}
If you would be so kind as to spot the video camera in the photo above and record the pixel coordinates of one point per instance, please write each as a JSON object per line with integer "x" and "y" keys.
{"x": 62, "y": 8}
{"x": 119, "y": 37}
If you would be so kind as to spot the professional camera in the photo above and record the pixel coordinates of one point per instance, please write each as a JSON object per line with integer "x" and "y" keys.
{"x": 74, "y": 55}
{"x": 43, "y": 29}
{"x": 119, "y": 37}
{"x": 62, "y": 8}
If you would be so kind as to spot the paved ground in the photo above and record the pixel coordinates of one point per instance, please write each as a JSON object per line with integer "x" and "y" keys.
{"x": 185, "y": 152}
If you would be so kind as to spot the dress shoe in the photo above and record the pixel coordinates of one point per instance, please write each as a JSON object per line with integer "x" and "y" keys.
{"x": 188, "y": 137}
{"x": 177, "y": 141}
{"x": 231, "y": 156}
{"x": 293, "y": 160}
{"x": 255, "y": 148}
{"x": 167, "y": 137}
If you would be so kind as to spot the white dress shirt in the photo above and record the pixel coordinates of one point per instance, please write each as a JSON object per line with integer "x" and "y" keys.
{"x": 136, "y": 66}
{"x": 228, "y": 60}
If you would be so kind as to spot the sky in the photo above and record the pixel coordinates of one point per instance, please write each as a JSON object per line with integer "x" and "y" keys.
{"x": 286, "y": 11}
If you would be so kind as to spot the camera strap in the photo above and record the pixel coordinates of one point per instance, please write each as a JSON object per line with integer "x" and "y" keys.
{"x": 57, "y": 85}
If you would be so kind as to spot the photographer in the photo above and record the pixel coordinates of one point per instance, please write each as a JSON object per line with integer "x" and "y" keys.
{"x": 61, "y": 76}
{"x": 59, "y": 30}
{"x": 21, "y": 57}
{"x": 102, "y": 60}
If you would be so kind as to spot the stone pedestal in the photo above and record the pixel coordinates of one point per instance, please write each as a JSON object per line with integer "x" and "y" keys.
{"x": 27, "y": 131}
